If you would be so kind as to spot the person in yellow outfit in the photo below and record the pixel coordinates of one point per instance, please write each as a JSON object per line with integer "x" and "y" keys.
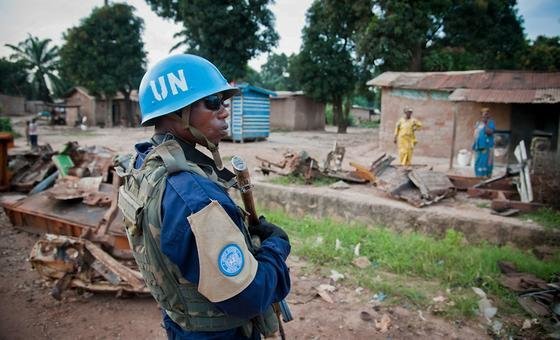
{"x": 405, "y": 137}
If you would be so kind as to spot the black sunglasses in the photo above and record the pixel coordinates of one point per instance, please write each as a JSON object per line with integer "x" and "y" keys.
{"x": 213, "y": 102}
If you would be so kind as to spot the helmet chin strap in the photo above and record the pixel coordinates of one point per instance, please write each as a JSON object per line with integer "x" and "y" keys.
{"x": 185, "y": 117}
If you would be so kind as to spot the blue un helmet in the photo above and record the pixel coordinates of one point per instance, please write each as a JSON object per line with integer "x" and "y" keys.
{"x": 178, "y": 81}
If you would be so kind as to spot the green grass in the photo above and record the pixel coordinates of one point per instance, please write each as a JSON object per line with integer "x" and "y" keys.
{"x": 368, "y": 124}
{"x": 483, "y": 205}
{"x": 547, "y": 217}
{"x": 413, "y": 266}
{"x": 299, "y": 180}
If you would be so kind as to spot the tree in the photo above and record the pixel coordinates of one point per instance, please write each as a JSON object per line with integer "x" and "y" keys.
{"x": 275, "y": 75}
{"x": 442, "y": 35}
{"x": 489, "y": 30}
{"x": 251, "y": 77}
{"x": 543, "y": 55}
{"x": 228, "y": 33}
{"x": 325, "y": 68}
{"x": 13, "y": 78}
{"x": 40, "y": 61}
{"x": 105, "y": 53}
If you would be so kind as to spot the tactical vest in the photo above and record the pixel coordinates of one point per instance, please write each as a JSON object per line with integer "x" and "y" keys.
{"x": 140, "y": 202}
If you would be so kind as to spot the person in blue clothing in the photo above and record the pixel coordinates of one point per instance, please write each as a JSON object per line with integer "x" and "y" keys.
{"x": 188, "y": 236}
{"x": 483, "y": 145}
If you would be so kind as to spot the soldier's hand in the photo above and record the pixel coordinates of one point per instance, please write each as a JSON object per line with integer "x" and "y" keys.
{"x": 266, "y": 229}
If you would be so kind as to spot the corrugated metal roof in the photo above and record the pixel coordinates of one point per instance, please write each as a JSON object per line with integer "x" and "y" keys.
{"x": 480, "y": 86}
{"x": 493, "y": 96}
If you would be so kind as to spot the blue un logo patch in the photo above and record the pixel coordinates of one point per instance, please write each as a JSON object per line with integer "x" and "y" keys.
{"x": 231, "y": 260}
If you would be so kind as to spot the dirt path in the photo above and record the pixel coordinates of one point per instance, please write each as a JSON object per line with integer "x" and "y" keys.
{"x": 28, "y": 312}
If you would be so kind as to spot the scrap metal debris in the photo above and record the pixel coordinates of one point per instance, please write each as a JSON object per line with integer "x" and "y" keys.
{"x": 539, "y": 298}
{"x": 71, "y": 188}
{"x": 419, "y": 187}
{"x": 78, "y": 263}
{"x": 333, "y": 162}
{"x": 30, "y": 167}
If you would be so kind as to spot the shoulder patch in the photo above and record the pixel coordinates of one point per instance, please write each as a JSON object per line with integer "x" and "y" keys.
{"x": 226, "y": 265}
{"x": 231, "y": 260}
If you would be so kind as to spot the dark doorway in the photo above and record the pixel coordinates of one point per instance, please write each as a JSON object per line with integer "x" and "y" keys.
{"x": 532, "y": 120}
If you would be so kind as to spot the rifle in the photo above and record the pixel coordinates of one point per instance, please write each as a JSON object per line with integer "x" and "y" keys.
{"x": 246, "y": 189}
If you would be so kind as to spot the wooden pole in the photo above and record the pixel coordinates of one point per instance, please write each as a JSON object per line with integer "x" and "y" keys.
{"x": 453, "y": 136}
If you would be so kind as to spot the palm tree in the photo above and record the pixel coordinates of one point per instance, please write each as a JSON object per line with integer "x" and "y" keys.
{"x": 41, "y": 62}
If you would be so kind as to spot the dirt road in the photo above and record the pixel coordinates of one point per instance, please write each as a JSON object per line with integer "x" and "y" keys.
{"x": 28, "y": 312}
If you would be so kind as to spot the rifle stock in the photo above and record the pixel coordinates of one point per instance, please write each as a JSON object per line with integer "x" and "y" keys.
{"x": 246, "y": 188}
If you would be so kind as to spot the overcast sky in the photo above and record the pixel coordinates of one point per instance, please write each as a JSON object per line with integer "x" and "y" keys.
{"x": 50, "y": 18}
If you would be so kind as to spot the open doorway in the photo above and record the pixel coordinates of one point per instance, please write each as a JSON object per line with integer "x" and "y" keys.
{"x": 535, "y": 120}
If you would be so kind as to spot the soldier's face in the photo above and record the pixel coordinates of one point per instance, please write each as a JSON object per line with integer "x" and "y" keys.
{"x": 209, "y": 116}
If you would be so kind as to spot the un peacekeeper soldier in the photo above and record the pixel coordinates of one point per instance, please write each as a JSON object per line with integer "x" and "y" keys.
{"x": 188, "y": 236}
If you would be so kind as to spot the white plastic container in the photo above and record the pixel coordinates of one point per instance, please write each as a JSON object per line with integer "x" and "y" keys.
{"x": 463, "y": 157}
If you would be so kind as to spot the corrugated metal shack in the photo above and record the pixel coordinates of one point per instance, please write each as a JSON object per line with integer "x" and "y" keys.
{"x": 523, "y": 105}
{"x": 250, "y": 114}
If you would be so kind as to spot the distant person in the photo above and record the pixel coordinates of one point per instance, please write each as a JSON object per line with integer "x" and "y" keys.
{"x": 483, "y": 145}
{"x": 33, "y": 133}
{"x": 27, "y": 132}
{"x": 405, "y": 136}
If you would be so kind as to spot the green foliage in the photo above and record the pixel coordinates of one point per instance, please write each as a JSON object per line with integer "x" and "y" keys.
{"x": 441, "y": 35}
{"x": 370, "y": 124}
{"x": 299, "y": 180}
{"x": 275, "y": 75}
{"x": 105, "y": 53}
{"x": 451, "y": 260}
{"x": 40, "y": 61}
{"x": 228, "y": 33}
{"x": 13, "y": 78}
{"x": 252, "y": 77}
{"x": 325, "y": 68}
{"x": 547, "y": 217}
{"x": 543, "y": 55}
{"x": 329, "y": 114}
{"x": 490, "y": 30}
{"x": 6, "y": 125}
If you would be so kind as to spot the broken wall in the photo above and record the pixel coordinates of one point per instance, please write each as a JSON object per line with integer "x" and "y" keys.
{"x": 545, "y": 179}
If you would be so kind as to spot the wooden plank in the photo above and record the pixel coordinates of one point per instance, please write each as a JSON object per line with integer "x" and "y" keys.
{"x": 502, "y": 205}
{"x": 492, "y": 194}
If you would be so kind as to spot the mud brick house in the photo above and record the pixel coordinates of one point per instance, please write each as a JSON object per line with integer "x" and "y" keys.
{"x": 295, "y": 111}
{"x": 523, "y": 105}
{"x": 96, "y": 111}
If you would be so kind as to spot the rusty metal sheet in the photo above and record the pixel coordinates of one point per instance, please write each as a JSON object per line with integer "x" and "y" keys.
{"x": 496, "y": 96}
{"x": 396, "y": 182}
{"x": 431, "y": 183}
{"x": 483, "y": 80}
{"x": 502, "y": 205}
{"x": 39, "y": 213}
{"x": 491, "y": 193}
{"x": 463, "y": 183}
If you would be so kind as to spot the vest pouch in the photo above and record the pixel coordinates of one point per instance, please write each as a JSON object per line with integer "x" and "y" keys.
{"x": 266, "y": 323}
{"x": 131, "y": 209}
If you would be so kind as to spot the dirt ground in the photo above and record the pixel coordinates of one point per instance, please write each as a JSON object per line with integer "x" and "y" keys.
{"x": 27, "y": 310}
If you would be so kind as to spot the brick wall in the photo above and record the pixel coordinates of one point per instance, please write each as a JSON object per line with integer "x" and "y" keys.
{"x": 436, "y": 114}
{"x": 545, "y": 167}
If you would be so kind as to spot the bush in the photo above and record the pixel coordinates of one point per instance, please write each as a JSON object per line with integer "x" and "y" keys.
{"x": 6, "y": 125}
